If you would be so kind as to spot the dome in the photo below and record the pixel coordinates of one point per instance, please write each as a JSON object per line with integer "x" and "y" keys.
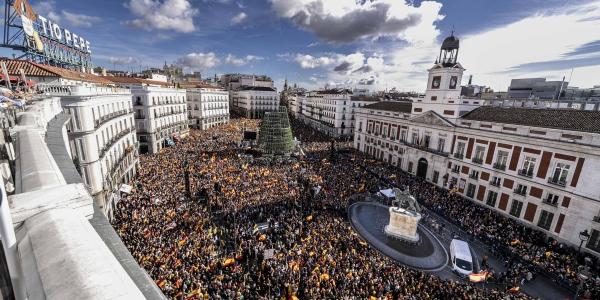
{"x": 450, "y": 43}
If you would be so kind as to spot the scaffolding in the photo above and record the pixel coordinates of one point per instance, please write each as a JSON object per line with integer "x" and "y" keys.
{"x": 275, "y": 135}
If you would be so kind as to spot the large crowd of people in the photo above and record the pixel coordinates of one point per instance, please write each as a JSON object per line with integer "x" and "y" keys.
{"x": 279, "y": 229}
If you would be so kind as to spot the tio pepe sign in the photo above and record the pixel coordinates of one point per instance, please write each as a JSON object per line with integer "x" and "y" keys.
{"x": 44, "y": 34}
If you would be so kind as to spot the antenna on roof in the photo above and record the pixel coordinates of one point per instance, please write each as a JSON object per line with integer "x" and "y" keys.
{"x": 452, "y": 33}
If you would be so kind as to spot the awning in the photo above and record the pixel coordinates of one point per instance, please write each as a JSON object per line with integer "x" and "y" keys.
{"x": 125, "y": 188}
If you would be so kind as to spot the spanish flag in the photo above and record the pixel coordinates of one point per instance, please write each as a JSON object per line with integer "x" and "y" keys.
{"x": 228, "y": 262}
{"x": 483, "y": 276}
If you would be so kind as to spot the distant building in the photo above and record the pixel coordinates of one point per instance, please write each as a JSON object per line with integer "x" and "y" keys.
{"x": 233, "y": 82}
{"x": 208, "y": 106}
{"x": 254, "y": 101}
{"x": 160, "y": 112}
{"x": 536, "y": 88}
{"x": 330, "y": 111}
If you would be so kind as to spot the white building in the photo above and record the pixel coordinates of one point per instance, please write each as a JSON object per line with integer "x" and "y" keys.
{"x": 160, "y": 112}
{"x": 208, "y": 106}
{"x": 49, "y": 223}
{"x": 102, "y": 137}
{"x": 538, "y": 166}
{"x": 330, "y": 111}
{"x": 254, "y": 101}
{"x": 236, "y": 81}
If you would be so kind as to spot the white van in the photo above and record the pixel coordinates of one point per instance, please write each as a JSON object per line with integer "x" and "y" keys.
{"x": 460, "y": 256}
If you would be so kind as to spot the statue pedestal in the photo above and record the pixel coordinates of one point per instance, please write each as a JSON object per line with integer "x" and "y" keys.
{"x": 403, "y": 224}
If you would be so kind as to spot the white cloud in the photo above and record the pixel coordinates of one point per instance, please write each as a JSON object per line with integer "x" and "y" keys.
{"x": 497, "y": 55}
{"x": 348, "y": 21}
{"x": 46, "y": 8}
{"x": 542, "y": 45}
{"x": 241, "y": 61}
{"x": 239, "y": 18}
{"x": 128, "y": 60}
{"x": 199, "y": 61}
{"x": 176, "y": 15}
{"x": 80, "y": 20}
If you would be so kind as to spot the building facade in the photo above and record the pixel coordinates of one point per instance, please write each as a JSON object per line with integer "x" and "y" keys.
{"x": 534, "y": 165}
{"x": 102, "y": 137}
{"x": 330, "y": 111}
{"x": 208, "y": 106}
{"x": 254, "y": 101}
{"x": 160, "y": 112}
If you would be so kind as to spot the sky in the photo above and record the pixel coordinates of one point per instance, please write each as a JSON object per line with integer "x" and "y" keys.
{"x": 374, "y": 44}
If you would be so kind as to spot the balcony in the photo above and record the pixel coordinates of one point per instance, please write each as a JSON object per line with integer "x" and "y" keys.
{"x": 522, "y": 192}
{"x": 495, "y": 183}
{"x": 501, "y": 167}
{"x": 526, "y": 173}
{"x": 557, "y": 182}
{"x": 427, "y": 149}
{"x": 107, "y": 117}
{"x": 459, "y": 155}
{"x": 551, "y": 202}
{"x": 596, "y": 219}
{"x": 455, "y": 171}
{"x": 474, "y": 176}
{"x": 477, "y": 160}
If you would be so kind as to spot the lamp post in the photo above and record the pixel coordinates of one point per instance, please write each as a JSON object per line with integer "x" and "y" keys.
{"x": 583, "y": 236}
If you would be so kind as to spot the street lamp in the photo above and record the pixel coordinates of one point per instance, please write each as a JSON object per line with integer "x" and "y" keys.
{"x": 583, "y": 236}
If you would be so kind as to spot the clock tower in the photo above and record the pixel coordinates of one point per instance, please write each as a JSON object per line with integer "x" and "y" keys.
{"x": 444, "y": 85}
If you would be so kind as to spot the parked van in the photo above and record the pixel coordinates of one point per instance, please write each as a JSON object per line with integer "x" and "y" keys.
{"x": 460, "y": 256}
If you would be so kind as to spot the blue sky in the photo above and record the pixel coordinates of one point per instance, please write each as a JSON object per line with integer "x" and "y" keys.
{"x": 368, "y": 43}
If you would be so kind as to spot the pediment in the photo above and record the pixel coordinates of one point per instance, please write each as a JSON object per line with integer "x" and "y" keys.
{"x": 432, "y": 118}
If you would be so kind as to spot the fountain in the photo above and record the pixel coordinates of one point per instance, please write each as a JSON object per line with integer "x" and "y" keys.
{"x": 395, "y": 231}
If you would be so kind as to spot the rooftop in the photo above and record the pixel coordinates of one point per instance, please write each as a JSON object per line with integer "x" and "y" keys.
{"x": 33, "y": 69}
{"x": 567, "y": 119}
{"x": 365, "y": 98}
{"x": 257, "y": 88}
{"x": 135, "y": 81}
{"x": 334, "y": 91}
{"x": 393, "y": 106}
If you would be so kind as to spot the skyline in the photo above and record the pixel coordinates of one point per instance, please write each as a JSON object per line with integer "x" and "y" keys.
{"x": 314, "y": 42}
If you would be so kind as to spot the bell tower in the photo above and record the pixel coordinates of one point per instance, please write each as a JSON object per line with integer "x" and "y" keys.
{"x": 444, "y": 84}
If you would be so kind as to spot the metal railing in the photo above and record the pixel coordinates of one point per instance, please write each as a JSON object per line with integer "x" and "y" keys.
{"x": 498, "y": 166}
{"x": 558, "y": 182}
{"x": 477, "y": 160}
{"x": 526, "y": 173}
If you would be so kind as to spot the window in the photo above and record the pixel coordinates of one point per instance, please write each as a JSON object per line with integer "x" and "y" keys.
{"x": 479, "y": 152}
{"x": 403, "y": 135}
{"x": 471, "y": 190}
{"x": 436, "y": 176}
{"x": 501, "y": 160}
{"x": 528, "y": 166}
{"x": 521, "y": 189}
{"x": 415, "y": 138}
{"x": 474, "y": 174}
{"x": 460, "y": 150}
{"x": 594, "y": 241}
{"x": 441, "y": 145}
{"x": 515, "y": 208}
{"x": 426, "y": 141}
{"x": 560, "y": 174}
{"x": 491, "y": 199}
{"x": 410, "y": 167}
{"x": 545, "y": 219}
{"x": 496, "y": 181}
{"x": 456, "y": 168}
{"x": 433, "y": 98}
{"x": 551, "y": 199}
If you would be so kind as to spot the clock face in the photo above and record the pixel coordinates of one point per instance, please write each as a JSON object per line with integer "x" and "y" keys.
{"x": 435, "y": 83}
{"x": 453, "y": 81}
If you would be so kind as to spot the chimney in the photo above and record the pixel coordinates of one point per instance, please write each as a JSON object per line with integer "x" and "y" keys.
{"x": 103, "y": 71}
{"x": 470, "y": 79}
